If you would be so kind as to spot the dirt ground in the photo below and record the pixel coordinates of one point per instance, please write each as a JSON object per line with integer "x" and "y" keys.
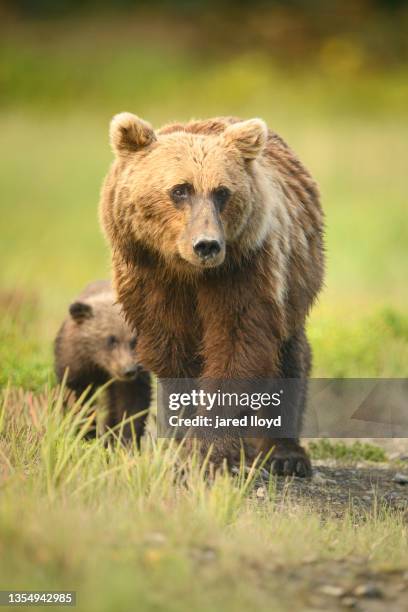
{"x": 334, "y": 489}
{"x": 337, "y": 486}
{"x": 346, "y": 584}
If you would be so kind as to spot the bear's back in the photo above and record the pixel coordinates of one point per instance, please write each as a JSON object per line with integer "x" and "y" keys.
{"x": 96, "y": 288}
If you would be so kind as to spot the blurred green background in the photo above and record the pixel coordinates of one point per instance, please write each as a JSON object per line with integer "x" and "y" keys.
{"x": 330, "y": 77}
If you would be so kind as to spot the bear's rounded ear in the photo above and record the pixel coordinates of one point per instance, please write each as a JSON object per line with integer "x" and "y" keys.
{"x": 80, "y": 311}
{"x": 249, "y": 137}
{"x": 129, "y": 133}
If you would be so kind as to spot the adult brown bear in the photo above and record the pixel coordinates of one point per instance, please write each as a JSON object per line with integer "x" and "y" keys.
{"x": 217, "y": 242}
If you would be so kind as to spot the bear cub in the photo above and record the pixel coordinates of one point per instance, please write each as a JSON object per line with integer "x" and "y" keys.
{"x": 95, "y": 344}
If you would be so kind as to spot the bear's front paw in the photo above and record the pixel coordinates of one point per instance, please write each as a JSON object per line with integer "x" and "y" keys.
{"x": 290, "y": 460}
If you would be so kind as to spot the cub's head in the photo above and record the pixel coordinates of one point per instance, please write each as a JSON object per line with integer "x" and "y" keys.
{"x": 182, "y": 195}
{"x": 103, "y": 338}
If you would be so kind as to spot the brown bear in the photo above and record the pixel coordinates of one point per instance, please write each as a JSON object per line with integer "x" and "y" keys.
{"x": 216, "y": 232}
{"x": 95, "y": 344}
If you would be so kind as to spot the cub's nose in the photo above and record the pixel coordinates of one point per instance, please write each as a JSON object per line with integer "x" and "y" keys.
{"x": 206, "y": 248}
{"x": 131, "y": 371}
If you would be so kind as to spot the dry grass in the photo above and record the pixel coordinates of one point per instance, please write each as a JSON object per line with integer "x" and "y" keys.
{"x": 120, "y": 526}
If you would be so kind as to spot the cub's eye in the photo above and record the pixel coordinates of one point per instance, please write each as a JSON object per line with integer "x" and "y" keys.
{"x": 132, "y": 344}
{"x": 180, "y": 192}
{"x": 112, "y": 341}
{"x": 221, "y": 195}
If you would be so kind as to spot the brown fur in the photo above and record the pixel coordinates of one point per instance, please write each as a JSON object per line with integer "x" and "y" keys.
{"x": 235, "y": 315}
{"x": 84, "y": 348}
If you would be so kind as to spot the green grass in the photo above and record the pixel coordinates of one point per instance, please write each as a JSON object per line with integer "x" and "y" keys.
{"x": 357, "y": 451}
{"x": 26, "y": 361}
{"x": 120, "y": 526}
{"x": 368, "y": 345}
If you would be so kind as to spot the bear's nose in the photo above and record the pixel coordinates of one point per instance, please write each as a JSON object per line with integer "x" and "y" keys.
{"x": 206, "y": 248}
{"x": 131, "y": 371}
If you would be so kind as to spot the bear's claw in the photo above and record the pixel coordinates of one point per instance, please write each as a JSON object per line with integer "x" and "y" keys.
{"x": 295, "y": 465}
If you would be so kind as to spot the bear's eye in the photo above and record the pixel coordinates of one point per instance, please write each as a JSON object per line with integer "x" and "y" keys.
{"x": 112, "y": 341}
{"x": 179, "y": 193}
{"x": 220, "y": 196}
{"x": 132, "y": 344}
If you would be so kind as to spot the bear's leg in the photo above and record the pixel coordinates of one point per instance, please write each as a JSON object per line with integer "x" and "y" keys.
{"x": 127, "y": 399}
{"x": 84, "y": 389}
{"x": 241, "y": 342}
{"x": 288, "y": 457}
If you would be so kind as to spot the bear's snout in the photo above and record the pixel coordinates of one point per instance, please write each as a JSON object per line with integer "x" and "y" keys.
{"x": 206, "y": 248}
{"x": 131, "y": 372}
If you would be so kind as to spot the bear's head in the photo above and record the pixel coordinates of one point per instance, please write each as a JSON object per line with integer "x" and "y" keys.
{"x": 185, "y": 196}
{"x": 103, "y": 338}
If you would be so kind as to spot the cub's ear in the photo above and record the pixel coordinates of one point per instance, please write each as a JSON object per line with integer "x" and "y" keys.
{"x": 249, "y": 137}
{"x": 129, "y": 133}
{"x": 80, "y": 311}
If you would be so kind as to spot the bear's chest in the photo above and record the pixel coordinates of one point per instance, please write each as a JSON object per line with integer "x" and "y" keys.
{"x": 170, "y": 331}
